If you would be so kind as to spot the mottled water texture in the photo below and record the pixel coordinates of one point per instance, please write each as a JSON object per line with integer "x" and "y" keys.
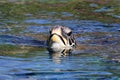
{"x": 92, "y": 59}
{"x": 23, "y": 54}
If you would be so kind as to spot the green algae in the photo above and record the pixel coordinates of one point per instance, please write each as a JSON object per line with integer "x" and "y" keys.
{"x": 81, "y": 8}
{"x": 17, "y": 49}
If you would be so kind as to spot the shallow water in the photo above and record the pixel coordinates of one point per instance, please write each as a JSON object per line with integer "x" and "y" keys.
{"x": 92, "y": 59}
{"x": 41, "y": 66}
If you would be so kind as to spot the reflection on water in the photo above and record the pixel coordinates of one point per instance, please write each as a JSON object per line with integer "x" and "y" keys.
{"x": 56, "y": 57}
{"x": 42, "y": 65}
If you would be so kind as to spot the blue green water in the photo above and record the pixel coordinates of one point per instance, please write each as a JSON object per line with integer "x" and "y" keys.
{"x": 39, "y": 65}
{"x": 98, "y": 47}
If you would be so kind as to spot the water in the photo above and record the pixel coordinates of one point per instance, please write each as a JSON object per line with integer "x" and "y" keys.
{"x": 41, "y": 66}
{"x": 93, "y": 59}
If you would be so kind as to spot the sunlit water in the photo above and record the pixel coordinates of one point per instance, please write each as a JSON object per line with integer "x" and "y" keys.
{"x": 100, "y": 41}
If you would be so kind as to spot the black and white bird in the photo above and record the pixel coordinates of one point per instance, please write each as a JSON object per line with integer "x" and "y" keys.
{"x": 61, "y": 39}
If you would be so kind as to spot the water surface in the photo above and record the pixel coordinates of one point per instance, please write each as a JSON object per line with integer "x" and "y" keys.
{"x": 92, "y": 59}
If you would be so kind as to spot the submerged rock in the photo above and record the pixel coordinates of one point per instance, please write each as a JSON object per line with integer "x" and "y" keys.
{"x": 93, "y": 5}
{"x": 104, "y": 9}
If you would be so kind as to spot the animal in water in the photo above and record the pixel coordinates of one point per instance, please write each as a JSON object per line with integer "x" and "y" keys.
{"x": 61, "y": 39}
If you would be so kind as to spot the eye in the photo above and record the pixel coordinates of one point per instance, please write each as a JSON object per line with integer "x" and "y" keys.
{"x": 69, "y": 33}
{"x": 50, "y": 31}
